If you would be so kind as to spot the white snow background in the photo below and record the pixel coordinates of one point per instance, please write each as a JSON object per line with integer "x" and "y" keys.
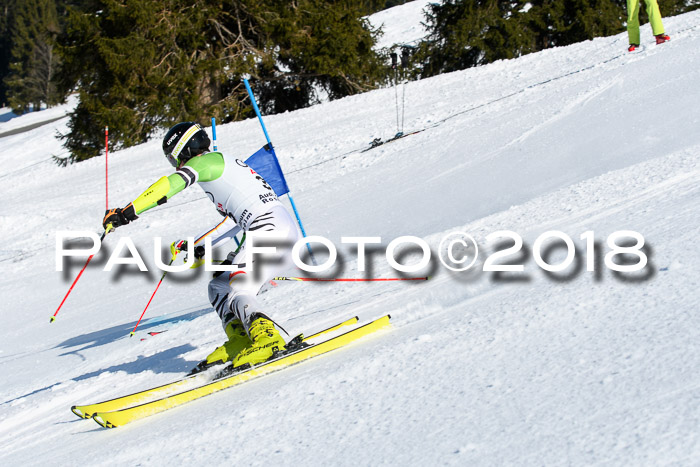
{"x": 521, "y": 369}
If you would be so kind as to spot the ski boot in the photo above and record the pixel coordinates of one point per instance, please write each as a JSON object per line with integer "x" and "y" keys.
{"x": 661, "y": 38}
{"x": 632, "y": 47}
{"x": 237, "y": 341}
{"x": 266, "y": 342}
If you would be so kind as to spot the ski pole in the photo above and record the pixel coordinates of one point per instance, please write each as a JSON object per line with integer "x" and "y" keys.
{"x": 151, "y": 299}
{"x": 53, "y": 318}
{"x": 396, "y": 95}
{"x": 340, "y": 279}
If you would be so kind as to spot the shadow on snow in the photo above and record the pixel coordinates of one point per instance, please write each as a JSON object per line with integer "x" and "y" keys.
{"x": 121, "y": 331}
{"x": 166, "y": 361}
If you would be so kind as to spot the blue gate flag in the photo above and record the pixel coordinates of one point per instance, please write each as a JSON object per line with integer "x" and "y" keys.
{"x": 265, "y": 163}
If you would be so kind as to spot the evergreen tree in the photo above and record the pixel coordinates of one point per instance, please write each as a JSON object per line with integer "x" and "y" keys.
{"x": 140, "y": 65}
{"x": 5, "y": 47}
{"x": 33, "y": 27}
{"x": 557, "y": 23}
{"x": 393, "y": 3}
{"x": 467, "y": 33}
{"x": 317, "y": 46}
{"x": 367, "y": 7}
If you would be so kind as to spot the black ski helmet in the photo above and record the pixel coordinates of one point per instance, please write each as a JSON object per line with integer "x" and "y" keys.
{"x": 184, "y": 141}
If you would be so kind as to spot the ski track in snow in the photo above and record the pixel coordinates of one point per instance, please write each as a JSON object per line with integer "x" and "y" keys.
{"x": 575, "y": 367}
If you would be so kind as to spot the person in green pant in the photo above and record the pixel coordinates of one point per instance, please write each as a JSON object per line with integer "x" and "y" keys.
{"x": 657, "y": 26}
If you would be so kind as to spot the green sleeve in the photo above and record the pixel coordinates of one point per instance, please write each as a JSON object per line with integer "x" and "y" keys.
{"x": 158, "y": 193}
{"x": 209, "y": 166}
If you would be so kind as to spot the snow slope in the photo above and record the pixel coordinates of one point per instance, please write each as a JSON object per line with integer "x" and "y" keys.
{"x": 527, "y": 368}
{"x": 10, "y": 121}
{"x": 402, "y": 24}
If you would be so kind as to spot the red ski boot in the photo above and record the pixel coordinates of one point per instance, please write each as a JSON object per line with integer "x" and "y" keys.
{"x": 661, "y": 38}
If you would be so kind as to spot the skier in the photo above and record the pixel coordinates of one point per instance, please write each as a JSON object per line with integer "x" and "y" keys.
{"x": 657, "y": 26}
{"x": 247, "y": 203}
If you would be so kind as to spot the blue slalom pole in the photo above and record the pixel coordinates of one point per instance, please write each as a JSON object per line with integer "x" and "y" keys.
{"x": 289, "y": 193}
{"x": 296, "y": 213}
{"x": 213, "y": 131}
{"x": 257, "y": 110}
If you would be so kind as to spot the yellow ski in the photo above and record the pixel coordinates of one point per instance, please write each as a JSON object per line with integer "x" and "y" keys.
{"x": 175, "y": 387}
{"x": 121, "y": 417}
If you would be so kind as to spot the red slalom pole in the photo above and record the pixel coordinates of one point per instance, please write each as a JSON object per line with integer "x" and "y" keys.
{"x": 53, "y": 318}
{"x": 151, "y": 299}
{"x": 339, "y": 279}
{"x": 106, "y": 168}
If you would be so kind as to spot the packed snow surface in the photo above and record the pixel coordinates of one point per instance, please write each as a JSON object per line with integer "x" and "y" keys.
{"x": 518, "y": 368}
{"x": 402, "y": 24}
